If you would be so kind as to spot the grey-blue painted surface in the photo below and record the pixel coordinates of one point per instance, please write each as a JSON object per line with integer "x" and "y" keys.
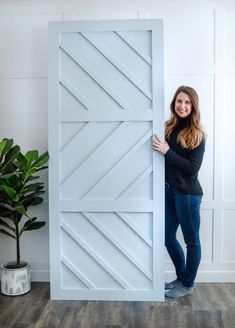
{"x": 106, "y": 185}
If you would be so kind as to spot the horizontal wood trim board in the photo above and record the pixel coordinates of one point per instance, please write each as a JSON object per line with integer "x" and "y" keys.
{"x": 128, "y": 115}
{"x": 106, "y": 206}
{"x": 108, "y": 295}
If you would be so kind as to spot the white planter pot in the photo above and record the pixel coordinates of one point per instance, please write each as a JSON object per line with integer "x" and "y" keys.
{"x": 15, "y": 281}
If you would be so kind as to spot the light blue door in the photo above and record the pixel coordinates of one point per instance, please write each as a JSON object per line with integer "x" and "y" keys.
{"x": 105, "y": 183}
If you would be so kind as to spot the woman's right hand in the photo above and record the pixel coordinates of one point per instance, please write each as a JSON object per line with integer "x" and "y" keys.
{"x": 159, "y": 145}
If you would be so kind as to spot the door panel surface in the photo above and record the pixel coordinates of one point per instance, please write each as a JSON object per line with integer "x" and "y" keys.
{"x": 105, "y": 182}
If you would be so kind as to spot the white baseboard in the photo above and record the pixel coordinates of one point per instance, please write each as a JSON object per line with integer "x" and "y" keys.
{"x": 202, "y": 276}
{"x": 207, "y": 276}
{"x": 40, "y": 275}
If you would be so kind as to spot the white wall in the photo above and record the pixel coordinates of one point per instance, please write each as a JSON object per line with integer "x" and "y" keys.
{"x": 199, "y": 51}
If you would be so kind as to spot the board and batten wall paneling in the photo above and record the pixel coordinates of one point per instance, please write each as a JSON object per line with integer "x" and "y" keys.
{"x": 199, "y": 48}
{"x": 23, "y": 108}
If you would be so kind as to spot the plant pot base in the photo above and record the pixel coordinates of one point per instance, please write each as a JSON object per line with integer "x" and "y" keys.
{"x": 15, "y": 281}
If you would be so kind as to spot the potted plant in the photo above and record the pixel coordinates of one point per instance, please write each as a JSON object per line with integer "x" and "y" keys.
{"x": 19, "y": 189}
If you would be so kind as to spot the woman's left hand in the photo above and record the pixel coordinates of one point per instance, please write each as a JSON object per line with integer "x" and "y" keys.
{"x": 159, "y": 145}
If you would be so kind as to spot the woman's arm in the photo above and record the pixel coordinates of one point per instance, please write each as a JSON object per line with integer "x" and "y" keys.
{"x": 189, "y": 165}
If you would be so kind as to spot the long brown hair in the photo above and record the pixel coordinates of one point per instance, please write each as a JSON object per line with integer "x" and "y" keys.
{"x": 192, "y": 135}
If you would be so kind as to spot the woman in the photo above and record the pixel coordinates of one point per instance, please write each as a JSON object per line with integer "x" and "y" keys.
{"x": 183, "y": 150}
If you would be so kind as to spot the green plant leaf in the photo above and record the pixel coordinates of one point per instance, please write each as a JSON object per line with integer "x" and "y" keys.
{"x": 10, "y": 157}
{"x": 21, "y": 210}
{"x": 6, "y": 176}
{"x": 32, "y": 201}
{"x": 6, "y": 213}
{"x": 18, "y": 208}
{"x": 29, "y": 173}
{"x": 34, "y": 194}
{"x": 42, "y": 159}
{"x": 8, "y": 191}
{"x": 3, "y": 210}
{"x": 14, "y": 180}
{"x": 27, "y": 223}
{"x": 5, "y": 146}
{"x": 4, "y": 232}
{"x": 22, "y": 161}
{"x": 35, "y": 177}
{"x": 33, "y": 187}
{"x": 5, "y": 224}
{"x": 31, "y": 156}
{"x": 29, "y": 192}
{"x": 9, "y": 168}
{"x": 35, "y": 225}
{"x": 42, "y": 168}
{"x": 12, "y": 154}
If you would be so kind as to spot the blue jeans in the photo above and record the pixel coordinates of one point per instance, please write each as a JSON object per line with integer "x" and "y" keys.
{"x": 183, "y": 210}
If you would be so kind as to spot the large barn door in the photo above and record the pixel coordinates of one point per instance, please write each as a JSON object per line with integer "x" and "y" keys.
{"x": 106, "y": 185}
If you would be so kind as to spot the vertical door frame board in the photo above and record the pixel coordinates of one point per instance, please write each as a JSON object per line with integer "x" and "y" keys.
{"x": 158, "y": 160}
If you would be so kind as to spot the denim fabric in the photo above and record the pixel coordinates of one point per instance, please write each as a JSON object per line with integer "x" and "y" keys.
{"x": 183, "y": 210}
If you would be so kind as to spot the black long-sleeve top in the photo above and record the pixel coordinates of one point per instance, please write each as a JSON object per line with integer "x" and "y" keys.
{"x": 182, "y": 165}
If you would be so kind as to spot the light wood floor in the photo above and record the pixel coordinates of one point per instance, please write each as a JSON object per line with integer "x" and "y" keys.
{"x": 211, "y": 306}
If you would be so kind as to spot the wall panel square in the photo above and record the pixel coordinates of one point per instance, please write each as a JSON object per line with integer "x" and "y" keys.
{"x": 230, "y": 41}
{"x": 23, "y": 41}
{"x": 228, "y": 233}
{"x": 188, "y": 40}
{"x": 228, "y": 135}
{"x": 23, "y": 104}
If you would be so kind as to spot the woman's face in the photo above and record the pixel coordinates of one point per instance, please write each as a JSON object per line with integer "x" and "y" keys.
{"x": 183, "y": 105}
